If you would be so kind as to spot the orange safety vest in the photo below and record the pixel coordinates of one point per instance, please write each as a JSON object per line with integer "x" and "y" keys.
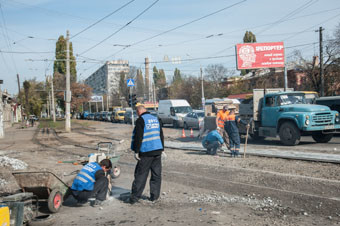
{"x": 221, "y": 117}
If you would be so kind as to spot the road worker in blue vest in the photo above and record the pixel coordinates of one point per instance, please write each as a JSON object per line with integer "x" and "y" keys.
{"x": 231, "y": 128}
{"x": 91, "y": 183}
{"x": 148, "y": 145}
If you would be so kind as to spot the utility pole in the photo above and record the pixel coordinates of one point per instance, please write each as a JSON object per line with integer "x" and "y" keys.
{"x": 68, "y": 87}
{"x": 53, "y": 104}
{"x": 203, "y": 99}
{"x": 321, "y": 62}
{"x": 21, "y": 107}
{"x": 2, "y": 133}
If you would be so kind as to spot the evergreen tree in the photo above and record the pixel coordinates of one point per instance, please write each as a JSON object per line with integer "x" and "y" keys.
{"x": 177, "y": 76}
{"x": 140, "y": 83}
{"x": 60, "y": 62}
{"x": 248, "y": 37}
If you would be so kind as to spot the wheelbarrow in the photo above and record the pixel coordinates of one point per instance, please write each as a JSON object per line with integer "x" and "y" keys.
{"x": 106, "y": 150}
{"x": 46, "y": 186}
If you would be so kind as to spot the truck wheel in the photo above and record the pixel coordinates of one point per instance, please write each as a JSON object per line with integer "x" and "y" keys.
{"x": 174, "y": 124}
{"x": 54, "y": 200}
{"x": 319, "y": 137}
{"x": 160, "y": 122}
{"x": 289, "y": 134}
{"x": 255, "y": 136}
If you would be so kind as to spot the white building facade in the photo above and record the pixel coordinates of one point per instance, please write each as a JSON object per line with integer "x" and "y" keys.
{"x": 106, "y": 79}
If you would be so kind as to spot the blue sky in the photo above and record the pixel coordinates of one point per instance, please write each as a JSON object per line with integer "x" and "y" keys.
{"x": 29, "y": 30}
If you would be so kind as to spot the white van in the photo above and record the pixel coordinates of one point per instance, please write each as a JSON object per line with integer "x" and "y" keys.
{"x": 172, "y": 111}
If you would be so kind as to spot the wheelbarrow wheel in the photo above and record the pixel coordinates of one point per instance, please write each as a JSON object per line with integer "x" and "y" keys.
{"x": 115, "y": 172}
{"x": 55, "y": 200}
{"x": 42, "y": 220}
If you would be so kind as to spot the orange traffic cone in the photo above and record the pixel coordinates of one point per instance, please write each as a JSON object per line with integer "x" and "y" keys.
{"x": 183, "y": 133}
{"x": 191, "y": 133}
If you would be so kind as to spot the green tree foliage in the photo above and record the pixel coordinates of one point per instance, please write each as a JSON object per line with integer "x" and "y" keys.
{"x": 160, "y": 82}
{"x": 139, "y": 84}
{"x": 248, "y": 37}
{"x": 34, "y": 96}
{"x": 60, "y": 62}
{"x": 175, "y": 89}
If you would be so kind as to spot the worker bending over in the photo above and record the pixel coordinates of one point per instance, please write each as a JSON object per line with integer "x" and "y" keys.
{"x": 212, "y": 142}
{"x": 231, "y": 128}
{"x": 91, "y": 182}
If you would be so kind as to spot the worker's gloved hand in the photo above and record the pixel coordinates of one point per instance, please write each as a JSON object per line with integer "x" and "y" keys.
{"x": 137, "y": 156}
{"x": 163, "y": 155}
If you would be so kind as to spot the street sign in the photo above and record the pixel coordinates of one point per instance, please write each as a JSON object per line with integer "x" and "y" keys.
{"x": 130, "y": 82}
{"x": 96, "y": 99}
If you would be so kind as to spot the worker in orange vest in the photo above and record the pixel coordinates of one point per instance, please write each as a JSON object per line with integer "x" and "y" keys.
{"x": 220, "y": 120}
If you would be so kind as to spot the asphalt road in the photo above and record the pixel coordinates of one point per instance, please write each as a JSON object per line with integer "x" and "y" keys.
{"x": 306, "y": 143}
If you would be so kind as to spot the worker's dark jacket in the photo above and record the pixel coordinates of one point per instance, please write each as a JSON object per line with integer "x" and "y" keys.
{"x": 231, "y": 122}
{"x": 87, "y": 177}
{"x": 147, "y": 138}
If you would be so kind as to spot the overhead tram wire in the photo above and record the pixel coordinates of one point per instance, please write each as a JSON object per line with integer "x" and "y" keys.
{"x": 127, "y": 24}
{"x": 5, "y": 33}
{"x": 297, "y": 10}
{"x": 100, "y": 20}
{"x": 180, "y": 26}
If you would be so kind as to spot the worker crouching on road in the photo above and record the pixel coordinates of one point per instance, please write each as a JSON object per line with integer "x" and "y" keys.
{"x": 231, "y": 128}
{"x": 91, "y": 182}
{"x": 220, "y": 120}
{"x": 212, "y": 142}
{"x": 148, "y": 145}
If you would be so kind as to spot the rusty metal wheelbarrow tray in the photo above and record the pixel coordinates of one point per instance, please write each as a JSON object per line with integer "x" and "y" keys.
{"x": 44, "y": 185}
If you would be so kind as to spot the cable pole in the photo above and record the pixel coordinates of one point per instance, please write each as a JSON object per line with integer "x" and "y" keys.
{"x": 202, "y": 81}
{"x": 21, "y": 107}
{"x": 2, "y": 131}
{"x": 68, "y": 92}
{"x": 53, "y": 104}
{"x": 321, "y": 62}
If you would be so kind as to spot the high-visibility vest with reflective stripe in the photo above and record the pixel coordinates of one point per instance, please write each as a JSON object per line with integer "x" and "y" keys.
{"x": 151, "y": 137}
{"x": 85, "y": 179}
{"x": 221, "y": 118}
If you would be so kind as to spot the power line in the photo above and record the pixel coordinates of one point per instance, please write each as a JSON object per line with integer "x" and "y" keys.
{"x": 110, "y": 14}
{"x": 127, "y": 24}
{"x": 183, "y": 25}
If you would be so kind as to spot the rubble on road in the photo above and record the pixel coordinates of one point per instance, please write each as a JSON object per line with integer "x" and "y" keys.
{"x": 16, "y": 164}
{"x": 265, "y": 204}
{"x": 3, "y": 182}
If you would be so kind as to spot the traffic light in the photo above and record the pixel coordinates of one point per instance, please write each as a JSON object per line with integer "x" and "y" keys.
{"x": 132, "y": 100}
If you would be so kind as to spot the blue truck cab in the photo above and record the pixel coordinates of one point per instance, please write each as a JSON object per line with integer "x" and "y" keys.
{"x": 289, "y": 115}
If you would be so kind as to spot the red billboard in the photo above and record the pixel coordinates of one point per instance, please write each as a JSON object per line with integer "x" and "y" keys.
{"x": 260, "y": 55}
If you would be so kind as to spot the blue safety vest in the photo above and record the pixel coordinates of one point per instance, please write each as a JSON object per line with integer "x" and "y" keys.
{"x": 151, "y": 136}
{"x": 86, "y": 177}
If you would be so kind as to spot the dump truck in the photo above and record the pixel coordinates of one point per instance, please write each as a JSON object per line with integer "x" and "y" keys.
{"x": 287, "y": 114}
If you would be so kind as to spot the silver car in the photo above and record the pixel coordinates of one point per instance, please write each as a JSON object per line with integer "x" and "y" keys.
{"x": 193, "y": 119}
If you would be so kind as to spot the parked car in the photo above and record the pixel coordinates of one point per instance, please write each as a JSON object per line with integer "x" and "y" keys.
{"x": 90, "y": 116}
{"x": 102, "y": 115}
{"x": 108, "y": 117}
{"x": 119, "y": 116}
{"x": 128, "y": 117}
{"x": 193, "y": 119}
{"x": 97, "y": 116}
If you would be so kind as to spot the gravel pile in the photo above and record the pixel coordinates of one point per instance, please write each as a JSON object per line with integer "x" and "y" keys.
{"x": 265, "y": 204}
{"x": 3, "y": 182}
{"x": 16, "y": 164}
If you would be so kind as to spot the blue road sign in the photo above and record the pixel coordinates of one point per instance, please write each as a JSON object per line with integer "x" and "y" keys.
{"x": 130, "y": 82}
